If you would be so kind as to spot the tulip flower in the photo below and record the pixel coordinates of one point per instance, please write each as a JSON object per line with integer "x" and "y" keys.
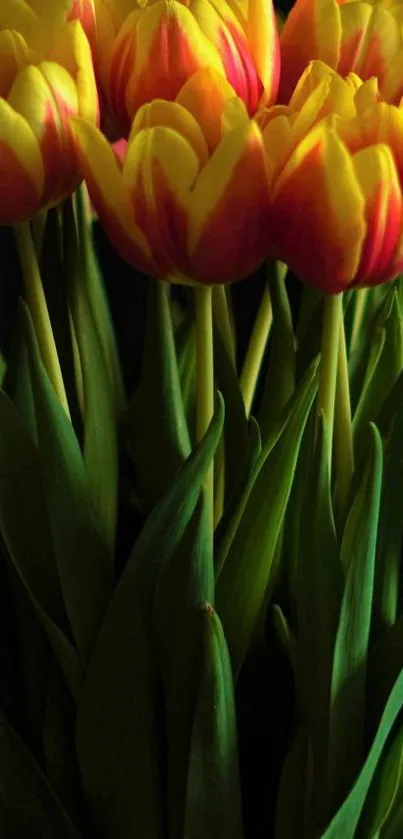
{"x": 148, "y": 50}
{"x": 349, "y": 35}
{"x": 185, "y": 201}
{"x": 335, "y": 170}
{"x": 46, "y": 75}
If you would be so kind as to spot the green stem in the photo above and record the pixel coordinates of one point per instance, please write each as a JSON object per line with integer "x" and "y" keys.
{"x": 205, "y": 383}
{"x": 360, "y": 302}
{"x": 343, "y": 435}
{"x": 36, "y": 301}
{"x": 256, "y": 349}
{"x": 332, "y": 316}
{"x": 223, "y": 322}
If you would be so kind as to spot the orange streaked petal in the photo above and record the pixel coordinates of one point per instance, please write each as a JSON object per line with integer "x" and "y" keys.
{"x": 46, "y": 96}
{"x": 205, "y": 95}
{"x": 109, "y": 195}
{"x": 21, "y": 168}
{"x": 227, "y": 208}
{"x": 319, "y": 92}
{"x": 317, "y": 219}
{"x": 370, "y": 40}
{"x": 312, "y": 30}
{"x": 159, "y": 171}
{"x": 175, "y": 116}
{"x": 262, "y": 36}
{"x": 392, "y": 82}
{"x": 376, "y": 173}
{"x": 278, "y": 144}
{"x": 72, "y": 50}
{"x": 383, "y": 123}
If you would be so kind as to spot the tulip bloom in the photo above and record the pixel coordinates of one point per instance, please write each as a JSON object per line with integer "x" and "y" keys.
{"x": 148, "y": 50}
{"x": 45, "y": 76}
{"x": 186, "y": 200}
{"x": 349, "y": 35}
{"x": 335, "y": 170}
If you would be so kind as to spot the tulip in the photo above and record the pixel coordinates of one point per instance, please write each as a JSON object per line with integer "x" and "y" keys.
{"x": 363, "y": 37}
{"x": 149, "y": 50}
{"x": 46, "y": 75}
{"x": 335, "y": 172}
{"x": 185, "y": 200}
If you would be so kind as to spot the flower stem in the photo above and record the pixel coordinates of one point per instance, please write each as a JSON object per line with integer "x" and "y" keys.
{"x": 36, "y": 301}
{"x": 257, "y": 345}
{"x": 343, "y": 436}
{"x": 205, "y": 383}
{"x": 360, "y": 302}
{"x": 223, "y": 322}
{"x": 332, "y": 316}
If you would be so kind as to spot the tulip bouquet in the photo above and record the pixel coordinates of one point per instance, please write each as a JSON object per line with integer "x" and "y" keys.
{"x": 201, "y": 622}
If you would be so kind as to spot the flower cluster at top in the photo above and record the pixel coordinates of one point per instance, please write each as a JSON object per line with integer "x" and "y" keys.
{"x": 235, "y": 142}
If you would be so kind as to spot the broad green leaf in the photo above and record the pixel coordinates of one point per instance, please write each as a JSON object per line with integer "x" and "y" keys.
{"x": 236, "y": 424}
{"x": 386, "y": 790}
{"x": 227, "y": 526}
{"x": 388, "y": 560}
{"x": 155, "y": 425}
{"x": 213, "y": 803}
{"x": 60, "y": 759}
{"x": 3, "y": 368}
{"x": 384, "y": 365}
{"x": 17, "y": 382}
{"x": 83, "y": 562}
{"x": 394, "y": 828}
{"x": 319, "y": 591}
{"x": 99, "y": 411}
{"x": 186, "y": 580}
{"x": 118, "y": 736}
{"x": 344, "y": 823}
{"x": 98, "y": 303}
{"x": 280, "y": 377}
{"x": 185, "y": 342}
{"x": 309, "y": 329}
{"x": 384, "y": 665}
{"x": 290, "y": 810}
{"x": 28, "y": 806}
{"x": 247, "y": 570}
{"x": 346, "y": 731}
{"x": 25, "y": 530}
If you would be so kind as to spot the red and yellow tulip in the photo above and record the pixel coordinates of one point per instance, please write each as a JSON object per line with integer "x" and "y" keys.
{"x": 186, "y": 200}
{"x": 148, "y": 50}
{"x": 46, "y": 75}
{"x": 349, "y": 35}
{"x": 335, "y": 170}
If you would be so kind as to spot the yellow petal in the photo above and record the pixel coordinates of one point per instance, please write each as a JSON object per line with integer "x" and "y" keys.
{"x": 175, "y": 116}
{"x": 21, "y": 168}
{"x": 71, "y": 49}
{"x": 205, "y": 95}
{"x": 109, "y": 195}
{"x": 13, "y": 57}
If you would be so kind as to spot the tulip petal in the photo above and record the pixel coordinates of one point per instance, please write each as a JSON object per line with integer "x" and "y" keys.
{"x": 318, "y": 212}
{"x": 376, "y": 173}
{"x": 21, "y": 169}
{"x": 71, "y": 49}
{"x": 159, "y": 171}
{"x": 109, "y": 195}
{"x": 175, "y": 116}
{"x": 312, "y": 30}
{"x": 227, "y": 208}
{"x": 371, "y": 38}
{"x": 383, "y": 123}
{"x": 45, "y": 96}
{"x": 13, "y": 58}
{"x": 205, "y": 95}
{"x": 264, "y": 46}
{"x": 17, "y": 16}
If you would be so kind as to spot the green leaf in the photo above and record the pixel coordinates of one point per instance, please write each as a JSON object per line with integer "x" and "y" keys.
{"x": 344, "y": 823}
{"x": 155, "y": 425}
{"x": 25, "y": 530}
{"x": 118, "y": 739}
{"x": 279, "y": 383}
{"x": 384, "y": 365}
{"x": 213, "y": 803}
{"x": 83, "y": 562}
{"x": 247, "y": 570}
{"x": 98, "y": 303}
{"x": 60, "y": 759}
{"x": 3, "y": 368}
{"x": 385, "y": 791}
{"x": 384, "y": 665}
{"x": 346, "y": 735}
{"x": 100, "y": 420}
{"x": 186, "y": 580}
{"x": 319, "y": 591}
{"x": 185, "y": 341}
{"x": 28, "y": 807}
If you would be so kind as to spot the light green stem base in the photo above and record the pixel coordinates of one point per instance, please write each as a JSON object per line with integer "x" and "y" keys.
{"x": 332, "y": 316}
{"x": 36, "y": 301}
{"x": 205, "y": 383}
{"x": 256, "y": 349}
